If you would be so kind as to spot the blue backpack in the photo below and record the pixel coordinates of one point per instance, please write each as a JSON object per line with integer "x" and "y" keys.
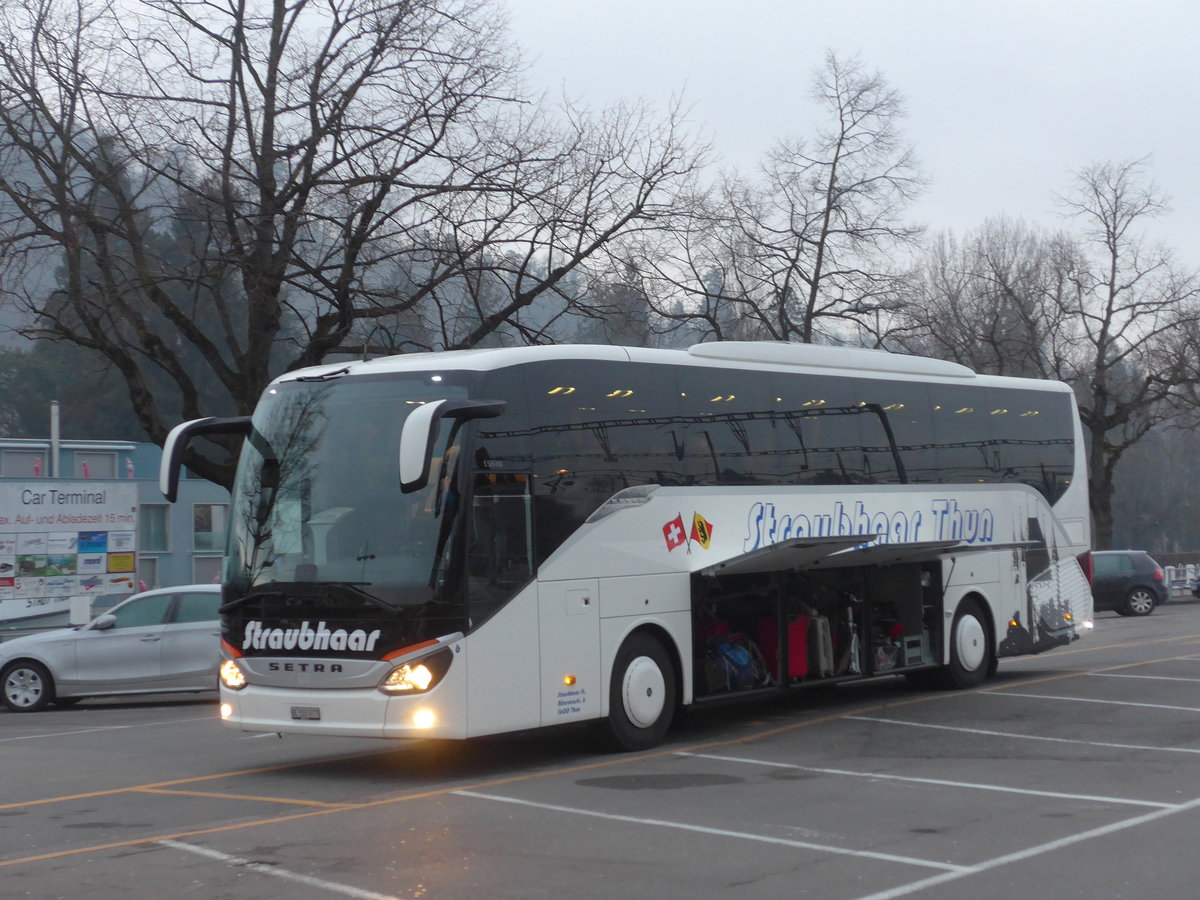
{"x": 742, "y": 670}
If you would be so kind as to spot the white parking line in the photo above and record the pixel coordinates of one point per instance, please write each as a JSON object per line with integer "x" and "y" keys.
{"x": 1146, "y": 677}
{"x": 1026, "y": 737}
{"x": 276, "y": 872}
{"x": 941, "y": 782}
{"x": 1021, "y": 855}
{"x": 719, "y": 832}
{"x": 1088, "y": 700}
{"x": 33, "y": 737}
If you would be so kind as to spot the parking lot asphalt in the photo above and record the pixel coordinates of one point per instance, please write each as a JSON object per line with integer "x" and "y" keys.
{"x": 1072, "y": 774}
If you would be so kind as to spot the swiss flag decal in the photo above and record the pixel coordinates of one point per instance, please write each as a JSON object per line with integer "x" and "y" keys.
{"x": 674, "y": 533}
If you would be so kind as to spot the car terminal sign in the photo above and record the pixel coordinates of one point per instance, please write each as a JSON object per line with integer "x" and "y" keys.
{"x": 62, "y": 540}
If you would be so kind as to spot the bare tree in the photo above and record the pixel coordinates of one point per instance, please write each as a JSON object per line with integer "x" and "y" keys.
{"x": 807, "y": 250}
{"x": 1133, "y": 361}
{"x": 1108, "y": 312}
{"x": 1158, "y": 513}
{"x": 993, "y": 301}
{"x": 232, "y": 188}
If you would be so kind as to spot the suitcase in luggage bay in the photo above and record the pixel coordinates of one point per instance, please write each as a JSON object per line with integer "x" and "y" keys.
{"x": 820, "y": 647}
{"x": 797, "y": 637}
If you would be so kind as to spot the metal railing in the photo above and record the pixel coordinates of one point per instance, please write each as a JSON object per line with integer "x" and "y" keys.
{"x": 1181, "y": 578}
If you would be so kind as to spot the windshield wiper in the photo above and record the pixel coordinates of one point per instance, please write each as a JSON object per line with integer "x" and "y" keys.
{"x": 305, "y": 590}
{"x": 325, "y": 376}
{"x": 356, "y": 587}
{"x": 246, "y": 598}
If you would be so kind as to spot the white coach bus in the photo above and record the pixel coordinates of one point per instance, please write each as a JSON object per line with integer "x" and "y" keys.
{"x": 465, "y": 543}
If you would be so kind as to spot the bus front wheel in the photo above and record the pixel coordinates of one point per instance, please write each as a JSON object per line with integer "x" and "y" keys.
{"x": 972, "y": 656}
{"x": 641, "y": 697}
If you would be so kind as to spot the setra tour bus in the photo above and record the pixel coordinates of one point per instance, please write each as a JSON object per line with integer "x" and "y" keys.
{"x": 472, "y": 542}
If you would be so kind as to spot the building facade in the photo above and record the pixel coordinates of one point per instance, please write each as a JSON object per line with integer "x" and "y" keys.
{"x": 165, "y": 544}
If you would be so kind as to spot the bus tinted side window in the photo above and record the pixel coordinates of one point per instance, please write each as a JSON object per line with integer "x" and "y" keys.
{"x": 499, "y": 528}
{"x": 1032, "y": 441}
{"x": 730, "y": 420}
{"x": 830, "y": 436}
{"x": 585, "y": 429}
{"x": 502, "y": 444}
{"x": 596, "y": 428}
{"x": 499, "y": 542}
{"x": 908, "y": 411}
{"x": 961, "y": 421}
{"x": 886, "y": 419}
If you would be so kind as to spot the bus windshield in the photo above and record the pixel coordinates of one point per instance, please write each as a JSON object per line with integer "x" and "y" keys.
{"x": 318, "y": 506}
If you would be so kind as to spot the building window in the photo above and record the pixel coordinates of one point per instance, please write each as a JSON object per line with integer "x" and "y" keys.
{"x": 95, "y": 465}
{"x": 208, "y": 526}
{"x": 206, "y": 569}
{"x": 25, "y": 464}
{"x": 147, "y": 572}
{"x": 153, "y": 528}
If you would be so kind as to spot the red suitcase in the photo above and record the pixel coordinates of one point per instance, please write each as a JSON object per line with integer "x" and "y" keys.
{"x": 768, "y": 643}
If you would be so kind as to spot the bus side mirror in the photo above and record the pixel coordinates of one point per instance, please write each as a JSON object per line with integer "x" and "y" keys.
{"x": 421, "y": 430}
{"x": 177, "y": 441}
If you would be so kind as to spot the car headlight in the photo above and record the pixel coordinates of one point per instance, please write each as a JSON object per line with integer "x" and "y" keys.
{"x": 416, "y": 676}
{"x": 231, "y": 675}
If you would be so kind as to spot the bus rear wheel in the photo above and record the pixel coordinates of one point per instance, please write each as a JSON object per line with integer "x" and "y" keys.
{"x": 972, "y": 656}
{"x": 641, "y": 696}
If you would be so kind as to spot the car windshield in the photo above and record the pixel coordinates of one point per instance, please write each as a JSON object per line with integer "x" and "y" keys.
{"x": 317, "y": 499}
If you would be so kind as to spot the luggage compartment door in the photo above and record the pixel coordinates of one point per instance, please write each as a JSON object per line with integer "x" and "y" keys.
{"x": 569, "y": 630}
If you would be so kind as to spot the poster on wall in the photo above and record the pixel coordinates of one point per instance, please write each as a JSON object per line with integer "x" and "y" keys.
{"x": 62, "y": 540}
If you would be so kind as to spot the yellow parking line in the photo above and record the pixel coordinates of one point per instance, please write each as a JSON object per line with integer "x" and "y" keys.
{"x": 1095, "y": 648}
{"x": 135, "y": 842}
{"x": 891, "y": 704}
{"x": 438, "y": 792}
{"x": 424, "y": 795}
{"x": 192, "y": 780}
{"x": 220, "y": 796}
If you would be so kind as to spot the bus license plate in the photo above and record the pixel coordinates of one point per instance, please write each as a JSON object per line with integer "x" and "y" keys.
{"x": 309, "y": 713}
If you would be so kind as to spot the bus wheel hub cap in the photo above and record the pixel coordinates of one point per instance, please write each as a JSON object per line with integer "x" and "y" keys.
{"x": 643, "y": 692}
{"x": 970, "y": 639}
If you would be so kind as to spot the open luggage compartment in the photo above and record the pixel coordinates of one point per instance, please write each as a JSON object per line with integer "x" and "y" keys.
{"x": 780, "y": 629}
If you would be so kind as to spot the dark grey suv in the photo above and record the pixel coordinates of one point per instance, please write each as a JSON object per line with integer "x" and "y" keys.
{"x": 1127, "y": 581}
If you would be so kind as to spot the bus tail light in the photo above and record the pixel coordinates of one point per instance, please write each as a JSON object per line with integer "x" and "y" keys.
{"x": 416, "y": 676}
{"x": 1085, "y": 563}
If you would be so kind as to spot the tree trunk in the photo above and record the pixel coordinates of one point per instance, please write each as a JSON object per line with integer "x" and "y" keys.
{"x": 1100, "y": 491}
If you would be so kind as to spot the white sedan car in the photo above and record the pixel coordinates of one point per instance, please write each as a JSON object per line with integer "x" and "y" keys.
{"x": 162, "y": 641}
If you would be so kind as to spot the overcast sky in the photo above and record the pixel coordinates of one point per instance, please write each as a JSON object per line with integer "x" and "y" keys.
{"x": 1004, "y": 98}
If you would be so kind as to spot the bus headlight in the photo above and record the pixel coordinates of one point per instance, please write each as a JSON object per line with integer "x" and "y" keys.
{"x": 407, "y": 678}
{"x": 416, "y": 676}
{"x": 231, "y": 675}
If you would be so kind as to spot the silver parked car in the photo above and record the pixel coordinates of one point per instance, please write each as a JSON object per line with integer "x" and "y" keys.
{"x": 160, "y": 641}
